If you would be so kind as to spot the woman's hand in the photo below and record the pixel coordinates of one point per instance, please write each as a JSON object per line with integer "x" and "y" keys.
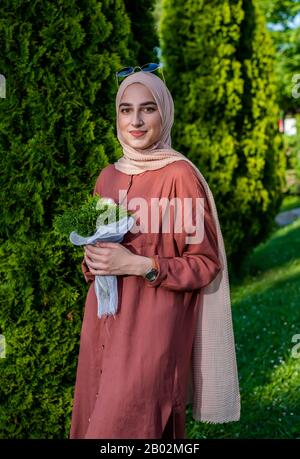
{"x": 112, "y": 258}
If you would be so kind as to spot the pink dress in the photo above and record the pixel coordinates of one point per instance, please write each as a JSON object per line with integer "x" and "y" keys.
{"x": 133, "y": 369}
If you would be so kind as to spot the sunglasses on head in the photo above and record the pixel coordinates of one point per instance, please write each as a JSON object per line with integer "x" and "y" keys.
{"x": 145, "y": 68}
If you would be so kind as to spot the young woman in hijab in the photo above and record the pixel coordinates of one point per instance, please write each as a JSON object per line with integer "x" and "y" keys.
{"x": 171, "y": 341}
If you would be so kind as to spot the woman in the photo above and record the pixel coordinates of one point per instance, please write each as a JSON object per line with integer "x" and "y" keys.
{"x": 171, "y": 341}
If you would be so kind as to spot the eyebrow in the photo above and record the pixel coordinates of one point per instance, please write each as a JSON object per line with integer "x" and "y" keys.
{"x": 126, "y": 104}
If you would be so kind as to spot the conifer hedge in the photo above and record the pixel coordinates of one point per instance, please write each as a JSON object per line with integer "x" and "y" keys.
{"x": 56, "y": 133}
{"x": 219, "y": 66}
{"x": 143, "y": 38}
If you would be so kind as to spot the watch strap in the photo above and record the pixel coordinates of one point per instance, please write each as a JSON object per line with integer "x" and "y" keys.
{"x": 153, "y": 267}
{"x": 154, "y": 263}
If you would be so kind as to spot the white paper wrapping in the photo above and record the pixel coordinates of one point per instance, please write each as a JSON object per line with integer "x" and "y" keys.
{"x": 106, "y": 287}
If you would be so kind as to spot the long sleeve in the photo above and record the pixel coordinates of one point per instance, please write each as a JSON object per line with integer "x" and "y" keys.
{"x": 198, "y": 263}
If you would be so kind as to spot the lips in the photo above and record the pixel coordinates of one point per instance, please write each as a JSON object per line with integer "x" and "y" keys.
{"x": 137, "y": 133}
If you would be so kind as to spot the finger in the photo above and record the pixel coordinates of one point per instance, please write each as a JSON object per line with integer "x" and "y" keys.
{"x": 91, "y": 261}
{"x": 95, "y": 251}
{"x": 94, "y": 257}
{"x": 89, "y": 246}
{"x": 87, "y": 261}
{"x": 95, "y": 264}
{"x": 108, "y": 244}
{"x": 90, "y": 253}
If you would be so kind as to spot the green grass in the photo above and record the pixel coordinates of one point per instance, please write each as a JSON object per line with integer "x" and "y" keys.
{"x": 266, "y": 316}
{"x": 290, "y": 202}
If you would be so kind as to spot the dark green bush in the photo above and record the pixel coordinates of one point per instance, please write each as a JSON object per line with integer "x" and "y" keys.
{"x": 57, "y": 131}
{"x": 143, "y": 38}
{"x": 219, "y": 68}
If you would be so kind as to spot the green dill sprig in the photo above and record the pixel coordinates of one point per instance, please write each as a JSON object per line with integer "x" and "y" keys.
{"x": 86, "y": 219}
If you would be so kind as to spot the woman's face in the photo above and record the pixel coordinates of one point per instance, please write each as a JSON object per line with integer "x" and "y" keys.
{"x": 138, "y": 111}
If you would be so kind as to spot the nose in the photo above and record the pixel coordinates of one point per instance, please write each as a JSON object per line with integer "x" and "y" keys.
{"x": 137, "y": 119}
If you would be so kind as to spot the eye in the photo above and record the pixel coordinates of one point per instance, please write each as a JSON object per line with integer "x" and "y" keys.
{"x": 126, "y": 110}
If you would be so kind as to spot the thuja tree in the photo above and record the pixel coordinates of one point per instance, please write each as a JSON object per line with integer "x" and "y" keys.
{"x": 219, "y": 68}
{"x": 56, "y": 133}
{"x": 282, "y": 16}
{"x": 144, "y": 38}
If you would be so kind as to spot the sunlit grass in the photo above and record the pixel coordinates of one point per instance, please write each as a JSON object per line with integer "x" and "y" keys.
{"x": 266, "y": 316}
{"x": 290, "y": 202}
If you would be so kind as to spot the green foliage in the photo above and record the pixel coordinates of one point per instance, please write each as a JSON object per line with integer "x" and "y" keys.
{"x": 285, "y": 32}
{"x": 219, "y": 68}
{"x": 290, "y": 202}
{"x": 57, "y": 132}
{"x": 292, "y": 148}
{"x": 287, "y": 68}
{"x": 143, "y": 37}
{"x": 292, "y": 151}
{"x": 87, "y": 217}
{"x": 280, "y": 12}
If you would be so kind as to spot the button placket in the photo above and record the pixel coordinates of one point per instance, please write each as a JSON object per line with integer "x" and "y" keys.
{"x": 129, "y": 183}
{"x": 103, "y": 334}
{"x": 100, "y": 354}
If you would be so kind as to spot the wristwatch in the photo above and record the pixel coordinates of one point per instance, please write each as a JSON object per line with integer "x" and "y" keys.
{"x": 152, "y": 273}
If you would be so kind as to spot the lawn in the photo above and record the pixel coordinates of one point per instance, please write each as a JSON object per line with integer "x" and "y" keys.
{"x": 290, "y": 202}
{"x": 266, "y": 316}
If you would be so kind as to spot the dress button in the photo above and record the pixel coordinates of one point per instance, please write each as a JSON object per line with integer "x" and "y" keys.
{"x": 89, "y": 419}
{"x": 100, "y": 372}
{"x": 102, "y": 346}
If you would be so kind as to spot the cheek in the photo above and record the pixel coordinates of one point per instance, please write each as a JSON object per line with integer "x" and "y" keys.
{"x": 157, "y": 124}
{"x": 122, "y": 123}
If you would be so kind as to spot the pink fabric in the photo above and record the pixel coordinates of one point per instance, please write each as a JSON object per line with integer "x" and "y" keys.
{"x": 129, "y": 387}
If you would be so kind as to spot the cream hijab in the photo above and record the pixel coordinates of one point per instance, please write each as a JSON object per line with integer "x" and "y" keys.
{"x": 213, "y": 386}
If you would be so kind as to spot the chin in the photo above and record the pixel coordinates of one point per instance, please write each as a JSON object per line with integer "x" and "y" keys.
{"x": 140, "y": 145}
{"x": 146, "y": 146}
{"x": 143, "y": 147}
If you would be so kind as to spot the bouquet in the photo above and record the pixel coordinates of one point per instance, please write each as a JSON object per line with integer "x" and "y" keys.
{"x": 97, "y": 219}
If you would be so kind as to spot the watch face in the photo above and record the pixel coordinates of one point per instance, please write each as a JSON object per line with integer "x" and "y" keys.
{"x": 152, "y": 274}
